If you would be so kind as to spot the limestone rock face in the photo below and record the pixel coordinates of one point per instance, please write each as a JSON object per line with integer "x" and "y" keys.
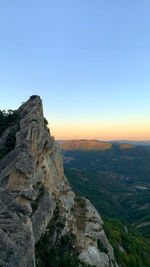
{"x": 32, "y": 185}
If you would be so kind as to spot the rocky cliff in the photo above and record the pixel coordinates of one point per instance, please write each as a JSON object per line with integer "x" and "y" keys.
{"x": 36, "y": 200}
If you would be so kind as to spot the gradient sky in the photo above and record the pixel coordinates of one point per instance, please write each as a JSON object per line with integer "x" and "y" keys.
{"x": 89, "y": 60}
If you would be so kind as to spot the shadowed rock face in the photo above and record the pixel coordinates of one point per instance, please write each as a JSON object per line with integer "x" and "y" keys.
{"x": 32, "y": 185}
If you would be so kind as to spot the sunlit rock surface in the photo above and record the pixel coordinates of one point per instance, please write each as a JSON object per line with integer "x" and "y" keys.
{"x": 32, "y": 185}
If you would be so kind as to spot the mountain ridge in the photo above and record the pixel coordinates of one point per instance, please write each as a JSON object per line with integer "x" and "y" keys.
{"x": 40, "y": 214}
{"x": 130, "y": 142}
{"x": 90, "y": 145}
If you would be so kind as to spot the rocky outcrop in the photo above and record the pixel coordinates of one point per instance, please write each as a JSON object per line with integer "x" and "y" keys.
{"x": 32, "y": 186}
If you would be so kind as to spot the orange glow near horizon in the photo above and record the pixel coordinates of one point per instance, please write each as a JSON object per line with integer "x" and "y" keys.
{"x": 113, "y": 131}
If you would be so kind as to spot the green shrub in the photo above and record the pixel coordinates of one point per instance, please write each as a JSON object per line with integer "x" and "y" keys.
{"x": 7, "y": 119}
{"x": 101, "y": 247}
{"x": 46, "y": 124}
{"x": 11, "y": 140}
{"x": 60, "y": 225}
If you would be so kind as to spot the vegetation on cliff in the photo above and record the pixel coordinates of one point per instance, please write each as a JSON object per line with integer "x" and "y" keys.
{"x": 55, "y": 249}
{"x": 9, "y": 119}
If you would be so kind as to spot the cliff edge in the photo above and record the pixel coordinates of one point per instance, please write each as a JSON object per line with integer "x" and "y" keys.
{"x": 37, "y": 201}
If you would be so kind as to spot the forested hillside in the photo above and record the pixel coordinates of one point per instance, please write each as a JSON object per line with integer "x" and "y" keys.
{"x": 117, "y": 181}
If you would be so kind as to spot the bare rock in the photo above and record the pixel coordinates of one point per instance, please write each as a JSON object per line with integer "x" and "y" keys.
{"x": 42, "y": 214}
{"x": 32, "y": 185}
{"x": 93, "y": 257}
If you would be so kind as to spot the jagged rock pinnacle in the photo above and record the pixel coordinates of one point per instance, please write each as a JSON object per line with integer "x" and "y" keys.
{"x": 32, "y": 187}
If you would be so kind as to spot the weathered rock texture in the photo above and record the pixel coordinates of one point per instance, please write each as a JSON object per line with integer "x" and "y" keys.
{"x": 32, "y": 185}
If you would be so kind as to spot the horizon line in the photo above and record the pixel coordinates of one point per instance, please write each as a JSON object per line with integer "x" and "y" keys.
{"x": 108, "y": 140}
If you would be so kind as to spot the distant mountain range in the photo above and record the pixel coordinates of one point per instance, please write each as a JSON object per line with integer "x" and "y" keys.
{"x": 102, "y": 144}
{"x": 90, "y": 145}
{"x": 132, "y": 142}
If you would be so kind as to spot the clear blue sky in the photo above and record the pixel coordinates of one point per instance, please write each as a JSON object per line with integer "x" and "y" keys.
{"x": 89, "y": 60}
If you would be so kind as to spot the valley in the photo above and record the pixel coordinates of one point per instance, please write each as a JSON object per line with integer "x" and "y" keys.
{"x": 117, "y": 182}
